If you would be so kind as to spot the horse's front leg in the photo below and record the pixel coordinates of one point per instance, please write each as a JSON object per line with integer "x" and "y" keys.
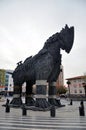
{"x": 52, "y": 93}
{"x": 29, "y": 101}
{"x": 52, "y": 98}
{"x": 41, "y": 95}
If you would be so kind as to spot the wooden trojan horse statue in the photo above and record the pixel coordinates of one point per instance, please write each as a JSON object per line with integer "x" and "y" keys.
{"x": 41, "y": 69}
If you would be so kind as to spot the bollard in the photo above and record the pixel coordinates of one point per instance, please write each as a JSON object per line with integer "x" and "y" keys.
{"x": 52, "y": 111}
{"x": 81, "y": 109}
{"x": 24, "y": 111}
{"x": 71, "y": 102}
{"x": 7, "y": 106}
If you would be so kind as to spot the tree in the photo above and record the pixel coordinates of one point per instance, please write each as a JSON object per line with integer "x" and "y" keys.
{"x": 2, "y": 77}
{"x": 61, "y": 90}
{"x": 68, "y": 83}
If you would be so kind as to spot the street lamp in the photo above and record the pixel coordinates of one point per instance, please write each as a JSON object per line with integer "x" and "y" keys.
{"x": 84, "y": 85}
{"x": 68, "y": 83}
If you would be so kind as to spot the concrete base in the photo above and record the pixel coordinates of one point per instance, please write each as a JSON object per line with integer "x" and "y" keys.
{"x": 16, "y": 102}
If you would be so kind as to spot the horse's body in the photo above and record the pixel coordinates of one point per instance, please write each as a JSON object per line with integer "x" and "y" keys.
{"x": 46, "y": 64}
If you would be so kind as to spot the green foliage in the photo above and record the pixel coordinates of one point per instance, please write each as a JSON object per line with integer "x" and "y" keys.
{"x": 2, "y": 77}
{"x": 61, "y": 90}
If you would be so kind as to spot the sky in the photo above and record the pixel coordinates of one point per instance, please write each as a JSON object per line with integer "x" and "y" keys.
{"x": 25, "y": 25}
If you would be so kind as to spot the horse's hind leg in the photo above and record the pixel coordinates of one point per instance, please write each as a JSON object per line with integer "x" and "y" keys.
{"x": 16, "y": 101}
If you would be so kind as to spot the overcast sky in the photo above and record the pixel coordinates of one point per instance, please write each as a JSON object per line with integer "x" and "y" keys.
{"x": 26, "y": 24}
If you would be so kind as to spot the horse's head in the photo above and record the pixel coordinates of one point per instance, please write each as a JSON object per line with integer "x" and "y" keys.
{"x": 66, "y": 38}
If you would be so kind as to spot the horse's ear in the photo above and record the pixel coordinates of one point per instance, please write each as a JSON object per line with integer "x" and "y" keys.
{"x": 66, "y": 26}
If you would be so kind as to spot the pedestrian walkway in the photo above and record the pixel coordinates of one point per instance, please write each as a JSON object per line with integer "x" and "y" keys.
{"x": 67, "y": 118}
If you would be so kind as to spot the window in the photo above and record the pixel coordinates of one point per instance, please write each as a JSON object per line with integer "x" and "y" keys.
{"x": 80, "y": 91}
{"x": 6, "y": 80}
{"x": 75, "y": 91}
{"x": 7, "y": 76}
{"x": 74, "y": 81}
{"x": 6, "y": 84}
{"x": 74, "y": 86}
{"x": 80, "y": 85}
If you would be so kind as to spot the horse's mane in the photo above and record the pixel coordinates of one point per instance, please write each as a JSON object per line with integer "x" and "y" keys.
{"x": 51, "y": 39}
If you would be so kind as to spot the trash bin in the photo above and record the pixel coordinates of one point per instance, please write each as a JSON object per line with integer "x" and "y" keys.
{"x": 24, "y": 111}
{"x": 7, "y": 106}
{"x": 52, "y": 111}
{"x": 71, "y": 102}
{"x": 81, "y": 109}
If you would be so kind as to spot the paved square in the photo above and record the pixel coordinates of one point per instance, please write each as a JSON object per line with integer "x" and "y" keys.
{"x": 67, "y": 118}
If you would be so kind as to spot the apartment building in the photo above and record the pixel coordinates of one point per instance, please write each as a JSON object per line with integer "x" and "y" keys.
{"x": 76, "y": 85}
{"x": 6, "y": 81}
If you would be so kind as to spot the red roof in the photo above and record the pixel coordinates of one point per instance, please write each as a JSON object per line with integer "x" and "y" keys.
{"x": 77, "y": 77}
{"x": 2, "y": 86}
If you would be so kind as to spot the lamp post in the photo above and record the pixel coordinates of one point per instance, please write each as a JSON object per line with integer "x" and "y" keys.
{"x": 84, "y": 85}
{"x": 68, "y": 83}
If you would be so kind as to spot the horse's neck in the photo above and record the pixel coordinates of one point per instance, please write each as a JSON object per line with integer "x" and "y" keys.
{"x": 55, "y": 52}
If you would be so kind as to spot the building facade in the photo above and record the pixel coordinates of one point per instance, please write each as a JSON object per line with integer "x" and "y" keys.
{"x": 75, "y": 87}
{"x": 6, "y": 81}
{"x": 60, "y": 80}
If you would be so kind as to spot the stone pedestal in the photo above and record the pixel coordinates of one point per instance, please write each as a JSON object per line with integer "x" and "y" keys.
{"x": 29, "y": 101}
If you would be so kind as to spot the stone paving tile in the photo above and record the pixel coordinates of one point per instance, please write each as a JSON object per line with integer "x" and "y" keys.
{"x": 67, "y": 118}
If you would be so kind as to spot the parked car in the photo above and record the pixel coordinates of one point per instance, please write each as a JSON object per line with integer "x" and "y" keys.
{"x": 63, "y": 95}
